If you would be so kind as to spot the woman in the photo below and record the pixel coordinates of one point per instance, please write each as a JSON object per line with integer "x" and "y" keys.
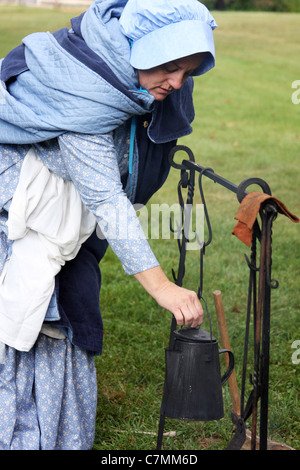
{"x": 87, "y": 118}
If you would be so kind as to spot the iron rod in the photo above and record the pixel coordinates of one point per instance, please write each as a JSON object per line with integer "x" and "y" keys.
{"x": 210, "y": 174}
{"x": 270, "y": 214}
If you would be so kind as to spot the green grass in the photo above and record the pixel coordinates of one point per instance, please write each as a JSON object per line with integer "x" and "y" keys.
{"x": 246, "y": 125}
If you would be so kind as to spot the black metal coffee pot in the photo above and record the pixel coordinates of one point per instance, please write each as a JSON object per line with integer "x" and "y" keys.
{"x": 193, "y": 381}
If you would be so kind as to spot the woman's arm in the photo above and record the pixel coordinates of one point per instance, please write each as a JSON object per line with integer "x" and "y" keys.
{"x": 92, "y": 165}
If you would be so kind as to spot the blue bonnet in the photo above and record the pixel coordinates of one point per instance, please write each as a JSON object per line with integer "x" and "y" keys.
{"x": 165, "y": 30}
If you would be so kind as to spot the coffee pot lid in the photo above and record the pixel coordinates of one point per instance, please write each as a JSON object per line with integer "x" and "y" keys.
{"x": 196, "y": 335}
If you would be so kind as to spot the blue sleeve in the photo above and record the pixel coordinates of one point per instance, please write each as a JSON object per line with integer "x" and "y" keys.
{"x": 92, "y": 164}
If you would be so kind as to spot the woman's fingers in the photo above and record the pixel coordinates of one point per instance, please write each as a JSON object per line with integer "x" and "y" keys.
{"x": 182, "y": 303}
{"x": 189, "y": 312}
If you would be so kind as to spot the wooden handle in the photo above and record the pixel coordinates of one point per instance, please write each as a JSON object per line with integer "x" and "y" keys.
{"x": 234, "y": 392}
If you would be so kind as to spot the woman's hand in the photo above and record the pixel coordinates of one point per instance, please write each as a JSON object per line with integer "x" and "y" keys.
{"x": 182, "y": 303}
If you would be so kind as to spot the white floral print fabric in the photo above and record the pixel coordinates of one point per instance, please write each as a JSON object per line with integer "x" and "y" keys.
{"x": 48, "y": 397}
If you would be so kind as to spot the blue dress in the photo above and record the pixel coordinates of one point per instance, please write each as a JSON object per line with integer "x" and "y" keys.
{"x": 48, "y": 397}
{"x": 60, "y": 413}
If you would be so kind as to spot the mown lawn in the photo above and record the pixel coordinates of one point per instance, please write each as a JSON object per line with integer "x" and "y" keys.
{"x": 246, "y": 125}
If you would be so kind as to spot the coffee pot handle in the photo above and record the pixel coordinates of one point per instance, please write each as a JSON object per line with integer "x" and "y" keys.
{"x": 230, "y": 365}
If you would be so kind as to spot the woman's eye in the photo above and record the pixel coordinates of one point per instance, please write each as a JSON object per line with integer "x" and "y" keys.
{"x": 170, "y": 69}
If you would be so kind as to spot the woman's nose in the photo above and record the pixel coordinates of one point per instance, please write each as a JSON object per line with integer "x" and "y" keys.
{"x": 176, "y": 80}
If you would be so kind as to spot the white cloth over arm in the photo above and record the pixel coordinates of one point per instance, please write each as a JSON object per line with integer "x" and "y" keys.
{"x": 49, "y": 218}
{"x": 48, "y": 223}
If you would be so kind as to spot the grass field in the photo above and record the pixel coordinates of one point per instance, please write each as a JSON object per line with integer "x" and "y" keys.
{"x": 246, "y": 125}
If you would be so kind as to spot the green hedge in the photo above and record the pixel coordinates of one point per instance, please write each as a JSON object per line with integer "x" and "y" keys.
{"x": 254, "y": 5}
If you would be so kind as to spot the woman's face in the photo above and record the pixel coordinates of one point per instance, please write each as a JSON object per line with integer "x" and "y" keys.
{"x": 160, "y": 81}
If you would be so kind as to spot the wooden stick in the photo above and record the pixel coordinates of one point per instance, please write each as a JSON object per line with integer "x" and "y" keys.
{"x": 234, "y": 392}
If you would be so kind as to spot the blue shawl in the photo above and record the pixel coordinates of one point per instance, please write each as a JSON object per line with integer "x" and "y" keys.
{"x": 55, "y": 83}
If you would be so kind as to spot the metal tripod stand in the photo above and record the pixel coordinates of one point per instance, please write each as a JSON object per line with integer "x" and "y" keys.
{"x": 259, "y": 291}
